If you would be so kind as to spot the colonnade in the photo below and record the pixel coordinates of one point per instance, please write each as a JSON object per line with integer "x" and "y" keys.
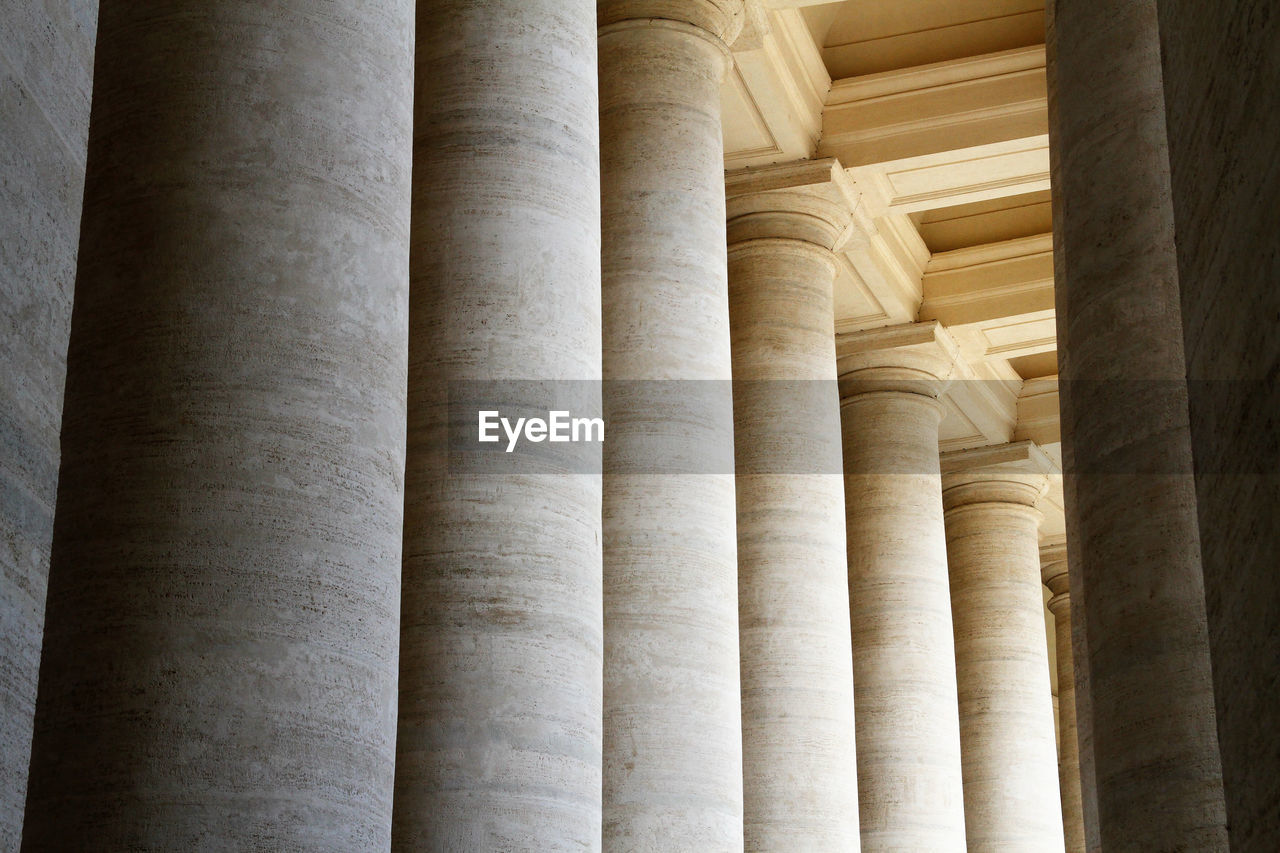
{"x": 279, "y": 616}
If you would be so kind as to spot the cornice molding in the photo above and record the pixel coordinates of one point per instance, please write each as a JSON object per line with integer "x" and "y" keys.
{"x": 812, "y": 201}
{"x": 1016, "y": 473}
{"x": 1016, "y": 456}
{"x": 914, "y": 358}
{"x": 991, "y": 253}
{"x": 1039, "y": 419}
{"x": 779, "y": 87}
{"x": 937, "y": 75}
{"x": 722, "y": 19}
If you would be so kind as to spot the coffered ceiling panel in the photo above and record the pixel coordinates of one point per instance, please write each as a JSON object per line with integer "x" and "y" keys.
{"x": 870, "y": 36}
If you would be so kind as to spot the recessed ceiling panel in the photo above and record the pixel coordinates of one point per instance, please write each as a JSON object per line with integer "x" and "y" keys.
{"x": 1035, "y": 366}
{"x": 993, "y": 221}
{"x": 870, "y": 36}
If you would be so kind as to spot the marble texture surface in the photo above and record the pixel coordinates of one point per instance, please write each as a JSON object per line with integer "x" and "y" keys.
{"x": 1131, "y": 499}
{"x": 1007, "y": 742}
{"x": 672, "y": 700}
{"x": 219, "y": 665}
{"x": 1053, "y": 571}
{"x": 799, "y": 751}
{"x": 501, "y": 646}
{"x": 910, "y": 789}
{"x": 1221, "y": 79}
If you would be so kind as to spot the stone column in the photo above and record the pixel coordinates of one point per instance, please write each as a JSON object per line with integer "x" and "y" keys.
{"x": 46, "y": 68}
{"x": 1007, "y": 738}
{"x": 1126, "y": 437}
{"x": 219, "y": 665}
{"x": 1053, "y": 572}
{"x": 800, "y": 769}
{"x": 502, "y": 643}
{"x": 910, "y": 792}
{"x": 672, "y": 702}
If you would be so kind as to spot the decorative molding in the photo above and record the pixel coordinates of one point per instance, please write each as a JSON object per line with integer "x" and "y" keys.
{"x": 1016, "y": 456}
{"x": 937, "y": 74}
{"x": 779, "y": 80}
{"x": 956, "y": 176}
{"x": 997, "y": 297}
{"x": 987, "y": 253}
{"x": 812, "y": 200}
{"x": 1039, "y": 419}
{"x": 1015, "y": 473}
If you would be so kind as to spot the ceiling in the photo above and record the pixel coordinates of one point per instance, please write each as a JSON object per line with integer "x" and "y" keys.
{"x": 938, "y": 111}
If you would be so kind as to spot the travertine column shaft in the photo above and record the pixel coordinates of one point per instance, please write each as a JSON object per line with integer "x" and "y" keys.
{"x": 46, "y": 67}
{"x": 1007, "y": 738}
{"x": 672, "y": 737}
{"x": 1053, "y": 572}
{"x": 909, "y": 779}
{"x": 800, "y": 768}
{"x": 1126, "y": 435}
{"x": 500, "y": 690}
{"x": 219, "y": 666}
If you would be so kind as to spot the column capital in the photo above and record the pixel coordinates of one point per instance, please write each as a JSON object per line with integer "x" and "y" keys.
{"x": 723, "y": 20}
{"x": 1053, "y": 572}
{"x": 811, "y": 201}
{"x": 1015, "y": 474}
{"x": 912, "y": 358}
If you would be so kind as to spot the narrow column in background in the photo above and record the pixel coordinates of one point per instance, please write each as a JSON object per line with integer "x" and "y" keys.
{"x": 1007, "y": 738}
{"x": 46, "y": 68}
{"x": 672, "y": 702}
{"x": 1053, "y": 573}
{"x": 219, "y": 664}
{"x": 1126, "y": 436}
{"x": 800, "y": 767}
{"x": 910, "y": 793}
{"x": 499, "y": 741}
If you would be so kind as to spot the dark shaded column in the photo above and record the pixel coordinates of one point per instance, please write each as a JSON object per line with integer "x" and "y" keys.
{"x": 1131, "y": 502}
{"x": 1221, "y": 76}
{"x": 219, "y": 666}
